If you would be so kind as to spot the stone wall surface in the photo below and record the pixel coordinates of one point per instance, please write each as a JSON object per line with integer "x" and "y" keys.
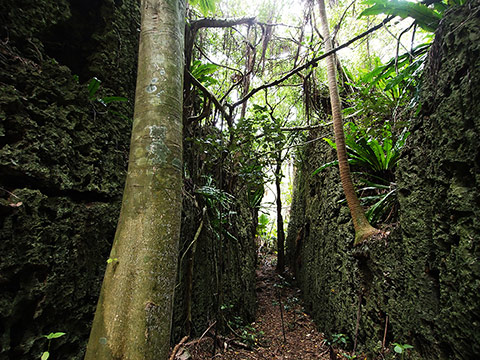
{"x": 63, "y": 162}
{"x": 424, "y": 277}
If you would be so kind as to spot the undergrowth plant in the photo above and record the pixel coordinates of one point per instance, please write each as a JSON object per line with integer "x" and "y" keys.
{"x": 375, "y": 157}
{"x": 401, "y": 349}
{"x": 219, "y": 204}
{"x": 49, "y": 337}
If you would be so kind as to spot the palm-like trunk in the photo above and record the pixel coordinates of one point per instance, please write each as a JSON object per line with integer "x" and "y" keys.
{"x": 363, "y": 229}
{"x": 134, "y": 311}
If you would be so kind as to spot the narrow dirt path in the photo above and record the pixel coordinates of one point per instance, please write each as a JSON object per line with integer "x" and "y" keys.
{"x": 269, "y": 337}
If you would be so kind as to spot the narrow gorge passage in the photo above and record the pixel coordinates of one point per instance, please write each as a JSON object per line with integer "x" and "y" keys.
{"x": 264, "y": 339}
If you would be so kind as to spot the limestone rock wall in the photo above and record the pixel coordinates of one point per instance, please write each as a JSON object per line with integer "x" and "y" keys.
{"x": 63, "y": 160}
{"x": 425, "y": 277}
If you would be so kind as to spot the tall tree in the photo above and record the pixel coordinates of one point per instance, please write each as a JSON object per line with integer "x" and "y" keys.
{"x": 134, "y": 311}
{"x": 363, "y": 229}
{"x": 280, "y": 268}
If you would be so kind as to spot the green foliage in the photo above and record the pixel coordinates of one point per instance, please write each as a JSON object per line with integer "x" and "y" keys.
{"x": 427, "y": 18}
{"x": 377, "y": 157}
{"x": 370, "y": 152}
{"x": 54, "y": 335}
{"x": 367, "y": 151}
{"x": 349, "y": 356}
{"x": 263, "y": 222}
{"x": 255, "y": 196}
{"x": 339, "y": 340}
{"x": 389, "y": 88}
{"x": 401, "y": 349}
{"x": 93, "y": 87}
{"x": 206, "y": 7}
{"x": 49, "y": 337}
{"x": 389, "y": 92}
{"x": 202, "y": 72}
{"x": 250, "y": 336}
{"x": 219, "y": 204}
{"x": 383, "y": 199}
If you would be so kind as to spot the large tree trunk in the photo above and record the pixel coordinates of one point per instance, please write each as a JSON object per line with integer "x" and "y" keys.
{"x": 280, "y": 231}
{"x": 363, "y": 229}
{"x": 134, "y": 312}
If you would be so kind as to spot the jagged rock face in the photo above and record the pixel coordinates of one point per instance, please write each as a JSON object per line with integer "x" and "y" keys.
{"x": 62, "y": 164}
{"x": 425, "y": 277}
{"x": 439, "y": 183}
{"x": 63, "y": 161}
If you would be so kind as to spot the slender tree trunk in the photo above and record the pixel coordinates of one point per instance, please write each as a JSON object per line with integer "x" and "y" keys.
{"x": 134, "y": 311}
{"x": 280, "y": 232}
{"x": 363, "y": 229}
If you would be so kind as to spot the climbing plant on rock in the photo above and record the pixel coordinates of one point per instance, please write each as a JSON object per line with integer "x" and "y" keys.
{"x": 363, "y": 229}
{"x": 133, "y": 316}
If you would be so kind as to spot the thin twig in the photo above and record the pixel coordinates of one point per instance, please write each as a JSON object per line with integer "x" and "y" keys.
{"x": 385, "y": 333}
{"x": 337, "y": 27}
{"x": 9, "y": 193}
{"x": 203, "y": 335}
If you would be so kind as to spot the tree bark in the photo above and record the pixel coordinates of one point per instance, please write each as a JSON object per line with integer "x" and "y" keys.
{"x": 363, "y": 229}
{"x": 280, "y": 268}
{"x": 134, "y": 311}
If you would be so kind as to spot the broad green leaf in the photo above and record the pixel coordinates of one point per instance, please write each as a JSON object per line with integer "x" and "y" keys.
{"x": 324, "y": 166}
{"x": 45, "y": 355}
{"x": 199, "y": 69}
{"x": 109, "y": 99}
{"x": 205, "y": 6}
{"x": 54, "y": 335}
{"x": 93, "y": 86}
{"x": 375, "y": 211}
{"x": 425, "y": 17}
{"x": 398, "y": 349}
{"x": 331, "y": 143}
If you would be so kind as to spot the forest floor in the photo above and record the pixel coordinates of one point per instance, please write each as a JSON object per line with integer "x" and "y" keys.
{"x": 282, "y": 329}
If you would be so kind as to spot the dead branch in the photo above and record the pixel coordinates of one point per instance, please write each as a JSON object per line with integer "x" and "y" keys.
{"x": 201, "y": 337}
{"x": 175, "y": 349}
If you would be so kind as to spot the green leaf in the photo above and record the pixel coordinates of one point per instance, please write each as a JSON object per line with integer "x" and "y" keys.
{"x": 109, "y": 99}
{"x": 93, "y": 86}
{"x": 324, "y": 166}
{"x": 331, "y": 143}
{"x": 398, "y": 349}
{"x": 45, "y": 355}
{"x": 205, "y": 6}
{"x": 54, "y": 335}
{"x": 425, "y": 17}
{"x": 203, "y": 69}
{"x": 380, "y": 207}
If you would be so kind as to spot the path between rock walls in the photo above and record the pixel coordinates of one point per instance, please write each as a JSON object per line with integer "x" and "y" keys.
{"x": 265, "y": 339}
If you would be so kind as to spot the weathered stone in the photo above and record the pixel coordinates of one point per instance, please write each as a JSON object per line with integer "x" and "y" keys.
{"x": 425, "y": 275}
{"x": 62, "y": 165}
